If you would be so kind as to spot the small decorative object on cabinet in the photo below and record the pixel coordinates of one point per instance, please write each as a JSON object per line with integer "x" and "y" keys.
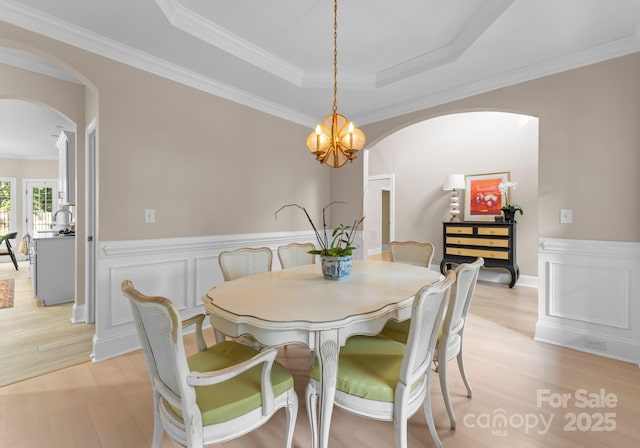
{"x": 454, "y": 182}
{"x": 463, "y": 242}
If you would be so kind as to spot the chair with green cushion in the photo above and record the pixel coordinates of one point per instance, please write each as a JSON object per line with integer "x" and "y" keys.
{"x": 408, "y": 252}
{"x": 452, "y": 330}
{"x": 383, "y": 379}
{"x": 217, "y": 394}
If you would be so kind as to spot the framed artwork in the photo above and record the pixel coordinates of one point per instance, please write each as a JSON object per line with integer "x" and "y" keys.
{"x": 482, "y": 198}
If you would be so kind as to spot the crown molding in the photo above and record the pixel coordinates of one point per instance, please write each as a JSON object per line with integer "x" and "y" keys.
{"x": 67, "y": 33}
{"x": 621, "y": 47}
{"x": 451, "y": 52}
{"x": 194, "y": 24}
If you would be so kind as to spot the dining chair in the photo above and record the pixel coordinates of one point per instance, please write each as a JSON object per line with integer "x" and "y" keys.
{"x": 8, "y": 248}
{"x": 296, "y": 254}
{"x": 411, "y": 252}
{"x": 451, "y": 338}
{"x": 408, "y": 252}
{"x": 240, "y": 263}
{"x": 217, "y": 394}
{"x": 383, "y": 379}
{"x": 245, "y": 261}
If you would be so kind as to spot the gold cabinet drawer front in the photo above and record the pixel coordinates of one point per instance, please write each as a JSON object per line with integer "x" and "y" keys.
{"x": 502, "y": 231}
{"x": 477, "y": 241}
{"x": 460, "y": 230}
{"x": 498, "y": 255}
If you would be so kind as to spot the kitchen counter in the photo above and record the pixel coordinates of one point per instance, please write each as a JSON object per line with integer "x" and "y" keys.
{"x": 43, "y": 234}
{"x": 52, "y": 267}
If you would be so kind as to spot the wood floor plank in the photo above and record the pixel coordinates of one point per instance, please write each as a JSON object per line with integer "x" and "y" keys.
{"x": 38, "y": 339}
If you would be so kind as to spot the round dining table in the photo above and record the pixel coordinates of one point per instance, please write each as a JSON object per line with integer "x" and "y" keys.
{"x": 298, "y": 305}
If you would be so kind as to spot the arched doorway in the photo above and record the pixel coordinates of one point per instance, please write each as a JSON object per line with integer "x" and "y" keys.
{"x": 422, "y": 154}
{"x": 68, "y": 94}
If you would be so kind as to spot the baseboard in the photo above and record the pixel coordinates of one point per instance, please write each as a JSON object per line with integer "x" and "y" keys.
{"x": 124, "y": 342}
{"x": 589, "y": 342}
{"x": 78, "y": 314}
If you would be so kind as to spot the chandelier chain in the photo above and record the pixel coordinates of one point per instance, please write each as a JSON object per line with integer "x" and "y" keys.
{"x": 335, "y": 56}
{"x": 335, "y": 141}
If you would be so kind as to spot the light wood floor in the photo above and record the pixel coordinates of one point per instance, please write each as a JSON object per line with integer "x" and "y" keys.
{"x": 38, "y": 339}
{"x": 109, "y": 404}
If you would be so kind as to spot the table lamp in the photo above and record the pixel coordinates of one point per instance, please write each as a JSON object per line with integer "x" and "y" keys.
{"x": 453, "y": 182}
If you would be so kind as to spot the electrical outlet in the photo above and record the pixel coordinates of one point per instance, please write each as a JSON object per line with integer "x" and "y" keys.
{"x": 149, "y": 216}
{"x": 566, "y": 216}
{"x": 595, "y": 343}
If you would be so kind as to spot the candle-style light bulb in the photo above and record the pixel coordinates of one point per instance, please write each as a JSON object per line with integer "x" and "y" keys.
{"x": 317, "y": 137}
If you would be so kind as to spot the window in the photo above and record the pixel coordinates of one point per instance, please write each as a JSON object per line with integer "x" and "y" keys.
{"x": 7, "y": 205}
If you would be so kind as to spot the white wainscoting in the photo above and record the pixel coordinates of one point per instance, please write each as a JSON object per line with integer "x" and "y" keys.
{"x": 181, "y": 269}
{"x": 589, "y": 296}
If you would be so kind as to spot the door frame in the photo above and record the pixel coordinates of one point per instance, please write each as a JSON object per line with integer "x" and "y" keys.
{"x": 90, "y": 222}
{"x": 388, "y": 181}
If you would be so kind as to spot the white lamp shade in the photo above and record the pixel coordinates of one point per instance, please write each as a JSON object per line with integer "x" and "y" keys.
{"x": 453, "y": 182}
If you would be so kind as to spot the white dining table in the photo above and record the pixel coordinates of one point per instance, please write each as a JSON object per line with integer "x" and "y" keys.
{"x": 299, "y": 305}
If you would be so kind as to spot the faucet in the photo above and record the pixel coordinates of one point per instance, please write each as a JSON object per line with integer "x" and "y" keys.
{"x": 65, "y": 210}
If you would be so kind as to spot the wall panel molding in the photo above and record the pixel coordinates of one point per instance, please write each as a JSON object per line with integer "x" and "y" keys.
{"x": 589, "y": 296}
{"x": 181, "y": 269}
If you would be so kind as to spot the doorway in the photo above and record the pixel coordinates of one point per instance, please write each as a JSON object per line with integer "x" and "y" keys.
{"x": 379, "y": 227}
{"x": 385, "y": 218}
{"x": 39, "y": 205}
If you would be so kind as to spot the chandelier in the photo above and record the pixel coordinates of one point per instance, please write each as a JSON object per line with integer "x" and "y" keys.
{"x": 336, "y": 140}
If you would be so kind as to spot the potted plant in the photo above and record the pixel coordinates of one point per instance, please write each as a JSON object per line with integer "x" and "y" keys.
{"x": 335, "y": 251}
{"x": 509, "y": 210}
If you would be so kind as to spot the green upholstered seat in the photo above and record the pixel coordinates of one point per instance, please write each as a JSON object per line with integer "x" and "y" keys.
{"x": 368, "y": 367}
{"x": 235, "y": 397}
{"x": 219, "y": 393}
{"x": 383, "y": 379}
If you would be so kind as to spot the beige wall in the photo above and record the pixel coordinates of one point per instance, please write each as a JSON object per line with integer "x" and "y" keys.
{"x": 589, "y": 151}
{"x": 28, "y": 169}
{"x": 206, "y": 165}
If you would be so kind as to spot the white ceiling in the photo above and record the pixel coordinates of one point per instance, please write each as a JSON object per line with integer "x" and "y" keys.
{"x": 394, "y": 57}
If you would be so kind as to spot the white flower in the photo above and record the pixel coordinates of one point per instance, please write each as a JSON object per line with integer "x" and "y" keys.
{"x": 504, "y": 186}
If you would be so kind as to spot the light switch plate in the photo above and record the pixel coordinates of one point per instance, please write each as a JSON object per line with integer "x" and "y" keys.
{"x": 566, "y": 216}
{"x": 149, "y": 216}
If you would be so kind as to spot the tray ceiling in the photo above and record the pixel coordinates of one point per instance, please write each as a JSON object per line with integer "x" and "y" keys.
{"x": 393, "y": 57}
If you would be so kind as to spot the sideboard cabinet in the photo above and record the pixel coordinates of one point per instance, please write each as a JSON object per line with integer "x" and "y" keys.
{"x": 463, "y": 242}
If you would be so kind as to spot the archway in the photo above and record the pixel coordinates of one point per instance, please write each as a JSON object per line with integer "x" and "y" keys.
{"x": 75, "y": 98}
{"x": 422, "y": 154}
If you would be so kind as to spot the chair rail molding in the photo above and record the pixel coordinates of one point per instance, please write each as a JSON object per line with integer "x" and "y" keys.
{"x": 589, "y": 296}
{"x": 181, "y": 269}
